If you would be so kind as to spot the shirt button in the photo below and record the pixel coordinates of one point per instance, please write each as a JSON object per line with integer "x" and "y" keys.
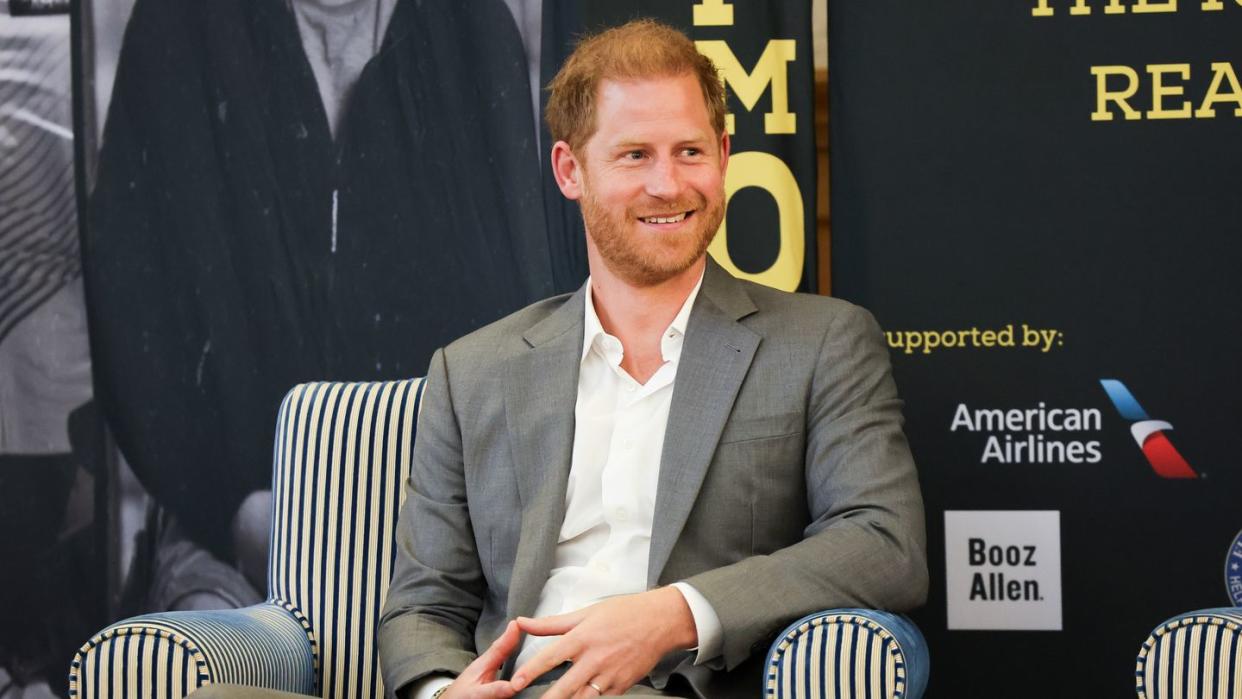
{"x": 621, "y": 514}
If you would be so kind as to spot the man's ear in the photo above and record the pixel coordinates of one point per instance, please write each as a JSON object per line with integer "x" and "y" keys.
{"x": 724, "y": 152}
{"x": 567, "y": 170}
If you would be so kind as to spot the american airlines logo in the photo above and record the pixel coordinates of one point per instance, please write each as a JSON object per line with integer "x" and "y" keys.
{"x": 1164, "y": 458}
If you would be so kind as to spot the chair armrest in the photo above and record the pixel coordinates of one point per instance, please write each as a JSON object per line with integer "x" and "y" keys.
{"x": 848, "y": 652}
{"x": 170, "y": 654}
{"x": 1196, "y": 654}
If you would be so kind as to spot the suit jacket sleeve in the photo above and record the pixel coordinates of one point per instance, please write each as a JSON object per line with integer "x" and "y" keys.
{"x": 437, "y": 589}
{"x": 865, "y": 543}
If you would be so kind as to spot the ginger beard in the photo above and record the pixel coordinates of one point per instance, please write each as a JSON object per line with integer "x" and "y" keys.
{"x": 645, "y": 257}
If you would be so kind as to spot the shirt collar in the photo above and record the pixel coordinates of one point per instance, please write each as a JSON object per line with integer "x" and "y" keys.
{"x": 593, "y": 330}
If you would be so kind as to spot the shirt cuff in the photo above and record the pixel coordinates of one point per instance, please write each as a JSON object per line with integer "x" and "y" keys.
{"x": 706, "y": 623}
{"x": 426, "y": 687}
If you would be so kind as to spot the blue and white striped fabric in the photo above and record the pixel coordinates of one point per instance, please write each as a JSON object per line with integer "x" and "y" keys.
{"x": 848, "y": 654}
{"x": 169, "y": 655}
{"x": 342, "y": 451}
{"x": 1197, "y": 655}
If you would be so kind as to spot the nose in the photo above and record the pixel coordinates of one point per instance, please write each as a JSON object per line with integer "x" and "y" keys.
{"x": 664, "y": 179}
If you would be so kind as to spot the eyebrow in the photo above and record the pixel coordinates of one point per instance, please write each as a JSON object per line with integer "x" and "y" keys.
{"x": 630, "y": 144}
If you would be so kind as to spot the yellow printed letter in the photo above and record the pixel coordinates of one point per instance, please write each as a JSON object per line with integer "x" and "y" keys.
{"x": 772, "y": 69}
{"x": 770, "y": 173}
{"x": 1103, "y": 94}
{"x": 1220, "y": 73}
{"x": 1159, "y": 91}
{"x": 713, "y": 13}
{"x": 1146, "y": 7}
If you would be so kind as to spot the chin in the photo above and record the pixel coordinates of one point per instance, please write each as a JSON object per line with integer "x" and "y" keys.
{"x": 645, "y": 258}
{"x": 653, "y": 270}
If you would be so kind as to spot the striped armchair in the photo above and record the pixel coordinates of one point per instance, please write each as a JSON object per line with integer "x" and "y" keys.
{"x": 342, "y": 452}
{"x": 1196, "y": 655}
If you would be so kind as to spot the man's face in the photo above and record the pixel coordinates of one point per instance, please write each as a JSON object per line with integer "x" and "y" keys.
{"x": 650, "y": 180}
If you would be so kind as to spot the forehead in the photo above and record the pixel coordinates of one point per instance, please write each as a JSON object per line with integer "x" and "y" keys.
{"x": 657, "y": 107}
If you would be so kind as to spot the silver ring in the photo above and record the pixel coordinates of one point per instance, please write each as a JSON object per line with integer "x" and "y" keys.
{"x": 596, "y": 687}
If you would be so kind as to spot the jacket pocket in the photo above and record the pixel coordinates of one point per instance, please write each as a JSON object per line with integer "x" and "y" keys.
{"x": 747, "y": 428}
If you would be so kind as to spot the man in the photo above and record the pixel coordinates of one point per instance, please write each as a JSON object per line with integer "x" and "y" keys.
{"x": 634, "y": 487}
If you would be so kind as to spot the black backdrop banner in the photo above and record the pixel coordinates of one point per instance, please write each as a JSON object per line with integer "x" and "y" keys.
{"x": 1039, "y": 201}
{"x": 764, "y": 52}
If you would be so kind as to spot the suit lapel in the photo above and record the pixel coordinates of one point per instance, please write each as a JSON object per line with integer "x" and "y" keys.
{"x": 714, "y": 361}
{"x": 540, "y": 396}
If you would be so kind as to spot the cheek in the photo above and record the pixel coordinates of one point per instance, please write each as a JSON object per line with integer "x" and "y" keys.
{"x": 612, "y": 194}
{"x": 711, "y": 185}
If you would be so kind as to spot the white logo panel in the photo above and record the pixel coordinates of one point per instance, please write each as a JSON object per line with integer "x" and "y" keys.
{"x": 1003, "y": 569}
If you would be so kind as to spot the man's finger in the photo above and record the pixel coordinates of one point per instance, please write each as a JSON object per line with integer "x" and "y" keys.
{"x": 587, "y": 692}
{"x": 548, "y": 657}
{"x": 506, "y": 642}
{"x": 550, "y": 625}
{"x": 495, "y": 690}
{"x": 490, "y": 661}
{"x": 572, "y": 682}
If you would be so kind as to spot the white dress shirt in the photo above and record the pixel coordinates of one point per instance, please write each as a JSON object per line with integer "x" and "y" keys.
{"x": 605, "y": 538}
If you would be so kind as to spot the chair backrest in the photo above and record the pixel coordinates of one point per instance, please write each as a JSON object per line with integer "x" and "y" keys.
{"x": 342, "y": 452}
{"x": 1196, "y": 655}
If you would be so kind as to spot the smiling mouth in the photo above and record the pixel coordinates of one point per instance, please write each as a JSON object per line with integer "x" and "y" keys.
{"x": 673, "y": 218}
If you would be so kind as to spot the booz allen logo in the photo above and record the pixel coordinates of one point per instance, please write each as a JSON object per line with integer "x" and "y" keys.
{"x": 1160, "y": 452}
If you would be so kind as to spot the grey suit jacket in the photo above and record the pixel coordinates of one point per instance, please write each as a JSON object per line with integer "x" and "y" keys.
{"x": 786, "y": 485}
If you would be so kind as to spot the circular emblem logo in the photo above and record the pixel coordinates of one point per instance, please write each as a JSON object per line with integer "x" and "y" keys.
{"x": 1233, "y": 571}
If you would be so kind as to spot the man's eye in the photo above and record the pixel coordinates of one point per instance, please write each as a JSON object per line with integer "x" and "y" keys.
{"x": 692, "y": 152}
{"x": 634, "y": 155}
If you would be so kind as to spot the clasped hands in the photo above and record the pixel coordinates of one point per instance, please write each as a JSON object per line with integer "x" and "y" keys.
{"x": 611, "y": 645}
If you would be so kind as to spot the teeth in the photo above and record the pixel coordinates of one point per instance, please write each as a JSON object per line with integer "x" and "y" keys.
{"x": 665, "y": 219}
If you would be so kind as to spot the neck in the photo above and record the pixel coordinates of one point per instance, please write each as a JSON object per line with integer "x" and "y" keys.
{"x": 639, "y": 315}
